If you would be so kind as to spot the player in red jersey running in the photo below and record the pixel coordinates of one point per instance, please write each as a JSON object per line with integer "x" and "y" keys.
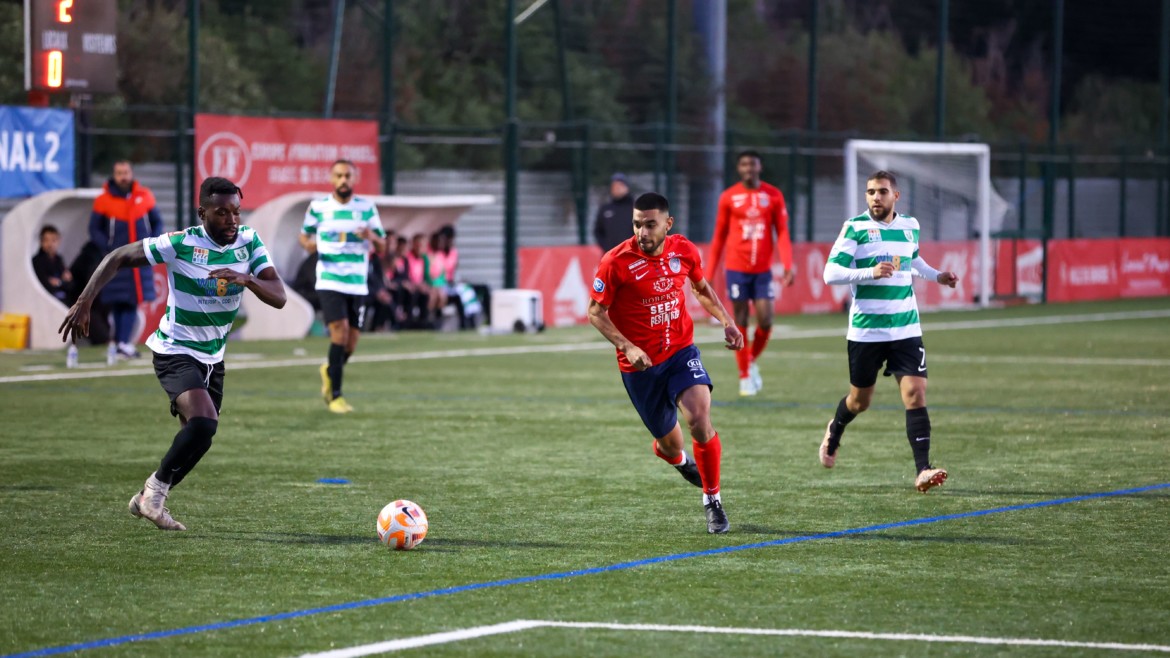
{"x": 748, "y": 213}
{"x": 639, "y": 304}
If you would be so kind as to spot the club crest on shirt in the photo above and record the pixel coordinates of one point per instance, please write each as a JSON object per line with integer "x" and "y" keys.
{"x": 875, "y": 235}
{"x": 909, "y": 235}
{"x": 764, "y": 200}
{"x": 675, "y": 265}
{"x": 663, "y": 284}
{"x": 598, "y": 285}
{"x": 241, "y": 254}
{"x": 199, "y": 256}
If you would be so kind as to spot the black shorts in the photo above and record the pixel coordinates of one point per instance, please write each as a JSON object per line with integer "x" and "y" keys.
{"x": 179, "y": 373}
{"x": 901, "y": 357}
{"x": 340, "y": 306}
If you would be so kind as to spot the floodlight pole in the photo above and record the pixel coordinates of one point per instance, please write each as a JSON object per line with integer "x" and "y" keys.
{"x": 810, "y": 160}
{"x": 671, "y": 95}
{"x": 1163, "y": 227}
{"x": 511, "y": 146}
{"x": 334, "y": 55}
{"x": 940, "y": 88}
{"x": 389, "y": 166}
{"x": 1053, "y": 138}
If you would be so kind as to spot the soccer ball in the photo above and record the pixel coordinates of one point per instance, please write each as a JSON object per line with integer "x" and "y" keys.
{"x": 402, "y": 525}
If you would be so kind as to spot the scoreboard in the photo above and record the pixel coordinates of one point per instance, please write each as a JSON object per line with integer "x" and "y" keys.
{"x": 71, "y": 45}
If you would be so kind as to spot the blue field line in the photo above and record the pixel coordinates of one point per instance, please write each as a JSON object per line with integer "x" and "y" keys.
{"x": 560, "y": 575}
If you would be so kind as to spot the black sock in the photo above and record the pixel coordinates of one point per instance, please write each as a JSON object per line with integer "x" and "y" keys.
{"x": 918, "y": 432}
{"x": 194, "y": 438}
{"x": 192, "y": 459}
{"x": 336, "y": 365}
{"x": 842, "y": 418}
{"x": 346, "y": 359}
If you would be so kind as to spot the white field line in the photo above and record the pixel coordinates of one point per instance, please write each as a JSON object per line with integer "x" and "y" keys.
{"x": 428, "y": 640}
{"x": 521, "y": 625}
{"x": 704, "y": 337}
{"x": 1040, "y": 360}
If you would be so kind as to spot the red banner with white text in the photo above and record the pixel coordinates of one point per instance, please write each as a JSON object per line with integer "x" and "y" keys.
{"x": 270, "y": 157}
{"x": 1078, "y": 270}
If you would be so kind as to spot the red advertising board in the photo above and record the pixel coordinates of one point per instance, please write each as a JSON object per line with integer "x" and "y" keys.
{"x": 1078, "y": 270}
{"x": 1144, "y": 266}
{"x": 564, "y": 276}
{"x": 1082, "y": 270}
{"x": 270, "y": 157}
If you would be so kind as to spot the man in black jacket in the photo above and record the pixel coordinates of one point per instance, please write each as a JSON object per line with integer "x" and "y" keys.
{"x": 615, "y": 219}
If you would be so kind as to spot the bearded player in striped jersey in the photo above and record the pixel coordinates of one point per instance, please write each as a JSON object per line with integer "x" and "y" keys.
{"x": 638, "y": 303}
{"x": 876, "y": 254}
{"x": 341, "y": 228}
{"x": 208, "y": 269}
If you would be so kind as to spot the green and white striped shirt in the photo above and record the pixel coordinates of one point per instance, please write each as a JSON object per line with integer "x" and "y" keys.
{"x": 883, "y": 309}
{"x": 343, "y": 257}
{"x": 200, "y": 310}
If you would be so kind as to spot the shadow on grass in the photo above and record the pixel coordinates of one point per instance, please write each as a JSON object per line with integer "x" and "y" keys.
{"x": 434, "y": 544}
{"x": 884, "y": 536}
{"x": 454, "y": 544}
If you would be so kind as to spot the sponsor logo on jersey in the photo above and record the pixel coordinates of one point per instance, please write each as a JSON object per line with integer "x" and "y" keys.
{"x": 663, "y": 284}
{"x": 199, "y": 256}
{"x": 875, "y": 235}
{"x": 598, "y": 285}
{"x": 241, "y": 254}
{"x": 638, "y": 263}
{"x": 675, "y": 265}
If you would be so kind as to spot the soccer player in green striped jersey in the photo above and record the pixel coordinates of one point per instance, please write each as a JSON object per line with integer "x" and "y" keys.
{"x": 876, "y": 254}
{"x": 208, "y": 268}
{"x": 340, "y": 229}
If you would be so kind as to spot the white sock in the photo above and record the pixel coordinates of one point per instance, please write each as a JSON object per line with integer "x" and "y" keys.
{"x": 154, "y": 483}
{"x": 707, "y": 498}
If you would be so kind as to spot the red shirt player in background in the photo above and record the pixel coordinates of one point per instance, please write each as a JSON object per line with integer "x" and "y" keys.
{"x": 639, "y": 304}
{"x": 749, "y": 212}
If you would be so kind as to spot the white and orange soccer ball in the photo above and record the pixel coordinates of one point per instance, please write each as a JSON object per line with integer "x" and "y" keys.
{"x": 402, "y": 525}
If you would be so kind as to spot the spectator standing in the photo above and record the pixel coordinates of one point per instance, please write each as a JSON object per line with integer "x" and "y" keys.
{"x": 123, "y": 214}
{"x": 615, "y": 219}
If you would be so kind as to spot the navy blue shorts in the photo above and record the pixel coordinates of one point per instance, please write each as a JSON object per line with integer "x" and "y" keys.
{"x": 655, "y": 390}
{"x": 742, "y": 286}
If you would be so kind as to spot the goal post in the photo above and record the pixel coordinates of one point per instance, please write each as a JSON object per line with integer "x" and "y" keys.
{"x": 947, "y": 186}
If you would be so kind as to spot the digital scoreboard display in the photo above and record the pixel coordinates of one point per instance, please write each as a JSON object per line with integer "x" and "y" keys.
{"x": 71, "y": 45}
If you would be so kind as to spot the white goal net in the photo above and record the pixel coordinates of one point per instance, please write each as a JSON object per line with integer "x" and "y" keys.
{"x": 947, "y": 186}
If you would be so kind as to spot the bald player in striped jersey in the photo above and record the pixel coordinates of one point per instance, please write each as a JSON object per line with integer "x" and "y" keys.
{"x": 208, "y": 269}
{"x": 876, "y": 254}
{"x": 341, "y": 228}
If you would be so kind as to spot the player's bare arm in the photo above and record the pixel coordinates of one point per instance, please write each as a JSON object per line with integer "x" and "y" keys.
{"x": 599, "y": 318}
{"x": 308, "y": 242}
{"x": 710, "y": 301}
{"x": 266, "y": 285}
{"x": 76, "y": 321}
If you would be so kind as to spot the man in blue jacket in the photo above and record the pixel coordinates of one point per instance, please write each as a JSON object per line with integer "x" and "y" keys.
{"x": 124, "y": 213}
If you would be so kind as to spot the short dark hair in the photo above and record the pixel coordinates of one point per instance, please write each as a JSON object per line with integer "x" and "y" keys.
{"x": 652, "y": 201}
{"x": 216, "y": 185}
{"x": 49, "y": 228}
{"x": 747, "y": 153}
{"x": 882, "y": 174}
{"x": 348, "y": 163}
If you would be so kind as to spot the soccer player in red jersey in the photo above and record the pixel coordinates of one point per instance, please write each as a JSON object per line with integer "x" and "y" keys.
{"x": 749, "y": 212}
{"x": 639, "y": 304}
